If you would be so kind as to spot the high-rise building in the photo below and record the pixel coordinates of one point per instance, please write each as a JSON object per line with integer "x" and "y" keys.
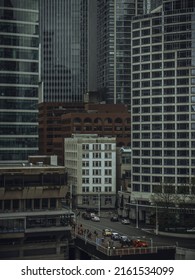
{"x": 150, "y": 5}
{"x": 114, "y": 48}
{"x": 19, "y": 56}
{"x": 67, "y": 34}
{"x": 163, "y": 99}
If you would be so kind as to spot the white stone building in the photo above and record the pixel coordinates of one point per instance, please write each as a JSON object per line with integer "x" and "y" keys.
{"x": 91, "y": 165}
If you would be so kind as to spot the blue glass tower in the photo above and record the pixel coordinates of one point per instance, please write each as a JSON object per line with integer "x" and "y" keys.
{"x": 19, "y": 56}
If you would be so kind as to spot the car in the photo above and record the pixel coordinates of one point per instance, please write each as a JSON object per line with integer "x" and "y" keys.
{"x": 125, "y": 221}
{"x": 114, "y": 219}
{"x": 92, "y": 215}
{"x": 124, "y": 240}
{"x": 95, "y": 219}
{"x": 123, "y": 237}
{"x": 191, "y": 230}
{"x": 107, "y": 232}
{"x": 86, "y": 216}
{"x": 115, "y": 236}
{"x": 139, "y": 243}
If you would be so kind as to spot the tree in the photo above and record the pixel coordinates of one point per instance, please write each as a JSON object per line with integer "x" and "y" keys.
{"x": 173, "y": 203}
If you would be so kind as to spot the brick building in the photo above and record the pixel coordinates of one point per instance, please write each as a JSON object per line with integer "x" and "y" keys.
{"x": 60, "y": 120}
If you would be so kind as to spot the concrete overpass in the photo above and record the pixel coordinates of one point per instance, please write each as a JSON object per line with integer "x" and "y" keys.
{"x": 103, "y": 249}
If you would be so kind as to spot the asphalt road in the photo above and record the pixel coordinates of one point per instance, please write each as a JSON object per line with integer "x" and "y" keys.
{"x": 137, "y": 233}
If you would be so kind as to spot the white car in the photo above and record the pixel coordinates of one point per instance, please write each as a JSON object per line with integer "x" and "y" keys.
{"x": 125, "y": 221}
{"x": 92, "y": 215}
{"x": 191, "y": 230}
{"x": 95, "y": 219}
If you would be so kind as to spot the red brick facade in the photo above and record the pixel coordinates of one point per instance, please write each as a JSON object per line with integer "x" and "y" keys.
{"x": 59, "y": 120}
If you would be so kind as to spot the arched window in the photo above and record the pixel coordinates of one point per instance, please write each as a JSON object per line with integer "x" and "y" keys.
{"x": 108, "y": 120}
{"x": 87, "y": 120}
{"x": 118, "y": 120}
{"x": 98, "y": 120}
{"x": 77, "y": 120}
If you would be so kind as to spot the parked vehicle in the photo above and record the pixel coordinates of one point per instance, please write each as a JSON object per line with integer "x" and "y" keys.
{"x": 107, "y": 232}
{"x": 95, "y": 219}
{"x": 92, "y": 215}
{"x": 125, "y": 221}
{"x": 114, "y": 219}
{"x": 115, "y": 236}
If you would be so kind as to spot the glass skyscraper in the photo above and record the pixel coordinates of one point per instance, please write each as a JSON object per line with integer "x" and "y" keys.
{"x": 163, "y": 99}
{"x": 19, "y": 56}
{"x": 114, "y": 48}
{"x": 150, "y": 5}
{"x": 65, "y": 27}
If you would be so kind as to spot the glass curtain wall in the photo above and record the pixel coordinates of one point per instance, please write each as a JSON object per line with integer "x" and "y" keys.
{"x": 19, "y": 59}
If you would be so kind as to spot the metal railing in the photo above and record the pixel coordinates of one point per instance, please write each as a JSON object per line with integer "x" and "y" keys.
{"x": 108, "y": 250}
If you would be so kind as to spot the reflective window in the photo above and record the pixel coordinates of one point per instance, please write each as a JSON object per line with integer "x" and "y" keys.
{"x": 18, "y": 28}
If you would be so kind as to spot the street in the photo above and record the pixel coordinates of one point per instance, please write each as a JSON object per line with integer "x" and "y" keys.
{"x": 136, "y": 233}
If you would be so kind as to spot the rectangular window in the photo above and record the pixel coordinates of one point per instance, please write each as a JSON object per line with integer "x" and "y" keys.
{"x": 136, "y": 187}
{"x": 85, "y": 180}
{"x": 97, "y": 155}
{"x": 169, "y": 153}
{"x": 85, "y": 172}
{"x": 108, "y": 172}
{"x": 108, "y": 155}
{"x": 108, "y": 163}
{"x": 145, "y": 161}
{"x": 97, "y": 180}
{"x": 97, "y": 172}
{"x": 145, "y": 188}
{"x": 85, "y": 163}
{"x": 85, "y": 189}
{"x": 169, "y": 161}
{"x": 96, "y": 189}
{"x": 157, "y": 161}
{"x": 108, "y": 181}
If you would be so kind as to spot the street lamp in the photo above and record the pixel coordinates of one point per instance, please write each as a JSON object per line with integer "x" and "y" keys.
{"x": 156, "y": 219}
{"x": 99, "y": 204}
{"x": 70, "y": 205}
{"x": 154, "y": 205}
{"x": 136, "y": 207}
{"x": 137, "y": 215}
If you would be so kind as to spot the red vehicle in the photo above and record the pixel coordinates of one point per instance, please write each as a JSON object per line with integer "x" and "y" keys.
{"x": 139, "y": 243}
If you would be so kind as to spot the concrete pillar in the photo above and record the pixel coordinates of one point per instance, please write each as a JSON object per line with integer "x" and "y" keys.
{"x": 77, "y": 254}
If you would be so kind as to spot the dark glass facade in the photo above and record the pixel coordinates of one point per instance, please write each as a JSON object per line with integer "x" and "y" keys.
{"x": 65, "y": 28}
{"x": 60, "y": 50}
{"x": 19, "y": 58}
{"x": 114, "y": 48}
